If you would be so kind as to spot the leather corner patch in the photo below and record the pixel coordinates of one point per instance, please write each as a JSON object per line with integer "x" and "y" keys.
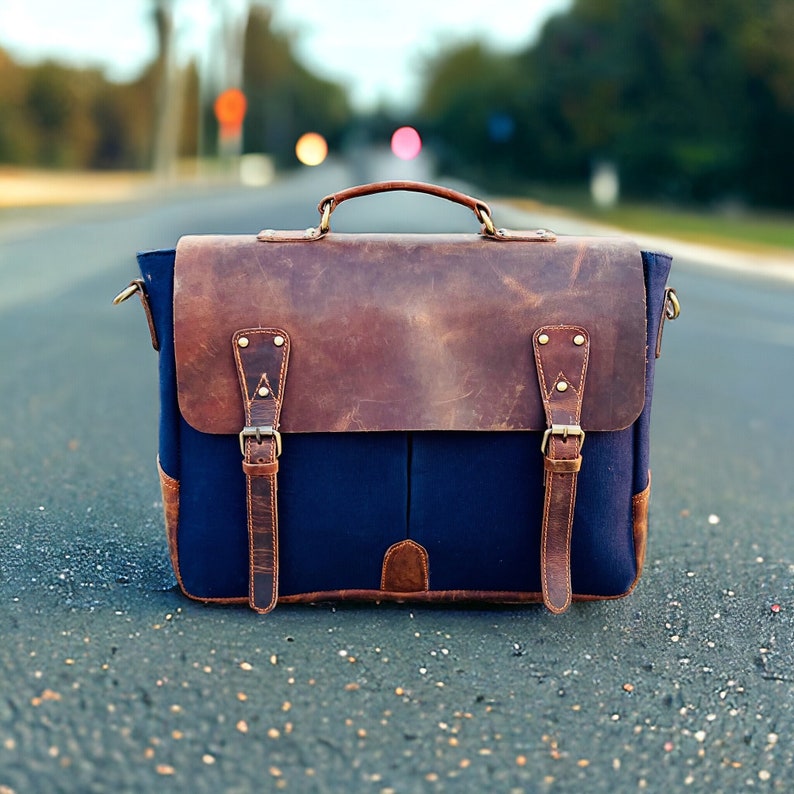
{"x": 405, "y": 568}
{"x": 639, "y": 504}
{"x": 169, "y": 488}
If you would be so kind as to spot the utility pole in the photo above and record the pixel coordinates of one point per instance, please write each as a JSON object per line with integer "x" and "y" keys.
{"x": 170, "y": 93}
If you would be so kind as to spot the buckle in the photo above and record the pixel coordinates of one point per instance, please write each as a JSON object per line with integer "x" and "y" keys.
{"x": 257, "y": 433}
{"x": 564, "y": 431}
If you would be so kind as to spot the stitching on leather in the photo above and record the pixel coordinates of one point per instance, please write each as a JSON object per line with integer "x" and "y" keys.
{"x": 274, "y": 540}
{"x": 172, "y": 486}
{"x": 571, "y": 506}
{"x": 172, "y": 538}
{"x": 248, "y": 495}
{"x": 425, "y": 571}
{"x": 397, "y": 547}
{"x": 641, "y": 497}
{"x": 582, "y": 375}
{"x": 539, "y": 359}
{"x": 390, "y": 552}
{"x": 545, "y": 532}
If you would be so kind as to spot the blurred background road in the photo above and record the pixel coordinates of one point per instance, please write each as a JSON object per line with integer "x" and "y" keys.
{"x": 670, "y": 124}
{"x": 112, "y": 681}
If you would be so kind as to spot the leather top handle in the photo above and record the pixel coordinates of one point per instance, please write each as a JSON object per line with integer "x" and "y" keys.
{"x": 480, "y": 209}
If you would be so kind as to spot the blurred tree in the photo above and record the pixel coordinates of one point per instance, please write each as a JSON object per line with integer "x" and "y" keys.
{"x": 17, "y": 135}
{"x": 124, "y": 118}
{"x": 690, "y": 101}
{"x": 471, "y": 114}
{"x": 284, "y": 98}
{"x": 60, "y": 117}
{"x": 657, "y": 87}
{"x": 57, "y": 103}
{"x": 767, "y": 51}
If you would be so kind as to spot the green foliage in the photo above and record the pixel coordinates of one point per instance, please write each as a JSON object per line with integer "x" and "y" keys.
{"x": 56, "y": 116}
{"x": 471, "y": 112}
{"x": 692, "y": 101}
{"x": 16, "y": 139}
{"x": 59, "y": 117}
{"x": 284, "y": 98}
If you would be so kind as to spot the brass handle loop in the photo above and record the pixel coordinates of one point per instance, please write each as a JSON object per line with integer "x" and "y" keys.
{"x": 480, "y": 209}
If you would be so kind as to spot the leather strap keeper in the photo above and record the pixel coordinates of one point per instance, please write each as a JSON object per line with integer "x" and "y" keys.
{"x": 563, "y": 466}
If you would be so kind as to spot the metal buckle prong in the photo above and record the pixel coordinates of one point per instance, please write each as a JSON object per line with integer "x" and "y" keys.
{"x": 258, "y": 433}
{"x": 564, "y": 431}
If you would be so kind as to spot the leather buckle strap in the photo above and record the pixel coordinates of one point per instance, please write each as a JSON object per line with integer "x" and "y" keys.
{"x": 257, "y": 433}
{"x": 261, "y": 356}
{"x": 561, "y": 355}
{"x": 564, "y": 431}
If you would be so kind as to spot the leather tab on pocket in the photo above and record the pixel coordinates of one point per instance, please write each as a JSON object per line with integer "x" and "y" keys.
{"x": 405, "y": 568}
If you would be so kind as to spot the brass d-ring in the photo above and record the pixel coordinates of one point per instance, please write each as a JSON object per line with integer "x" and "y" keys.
{"x": 325, "y": 222}
{"x": 485, "y": 218}
{"x": 672, "y": 308}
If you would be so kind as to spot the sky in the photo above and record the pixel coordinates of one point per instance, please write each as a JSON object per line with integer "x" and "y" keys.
{"x": 375, "y": 48}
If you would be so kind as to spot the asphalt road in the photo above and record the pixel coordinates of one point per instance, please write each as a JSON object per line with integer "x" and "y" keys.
{"x": 110, "y": 681}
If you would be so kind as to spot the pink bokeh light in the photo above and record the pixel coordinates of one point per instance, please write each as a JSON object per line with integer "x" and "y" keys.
{"x": 406, "y": 143}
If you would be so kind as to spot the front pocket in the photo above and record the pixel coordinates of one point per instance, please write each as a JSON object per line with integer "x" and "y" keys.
{"x": 476, "y": 504}
{"x": 342, "y": 503}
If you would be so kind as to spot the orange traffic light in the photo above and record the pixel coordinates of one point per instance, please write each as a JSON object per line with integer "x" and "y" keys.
{"x": 230, "y": 107}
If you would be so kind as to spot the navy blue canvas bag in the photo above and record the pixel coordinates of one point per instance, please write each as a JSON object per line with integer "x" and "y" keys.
{"x": 457, "y": 417}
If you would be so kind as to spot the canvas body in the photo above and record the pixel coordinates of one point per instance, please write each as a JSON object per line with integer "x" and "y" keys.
{"x": 411, "y": 414}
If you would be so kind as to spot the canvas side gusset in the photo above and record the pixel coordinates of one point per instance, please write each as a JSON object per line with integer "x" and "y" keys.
{"x": 202, "y": 572}
{"x": 656, "y": 268}
{"x": 157, "y": 271}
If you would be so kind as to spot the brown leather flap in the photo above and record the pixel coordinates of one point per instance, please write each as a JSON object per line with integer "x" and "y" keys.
{"x": 408, "y": 332}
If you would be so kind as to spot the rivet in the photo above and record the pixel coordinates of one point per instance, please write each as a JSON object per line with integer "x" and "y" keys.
{"x": 264, "y": 391}
{"x": 243, "y": 341}
{"x": 543, "y": 339}
{"x": 562, "y": 386}
{"x": 278, "y": 341}
{"x": 578, "y": 340}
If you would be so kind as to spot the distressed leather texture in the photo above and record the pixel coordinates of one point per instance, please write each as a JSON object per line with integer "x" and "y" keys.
{"x": 405, "y": 568}
{"x": 169, "y": 488}
{"x": 408, "y": 332}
